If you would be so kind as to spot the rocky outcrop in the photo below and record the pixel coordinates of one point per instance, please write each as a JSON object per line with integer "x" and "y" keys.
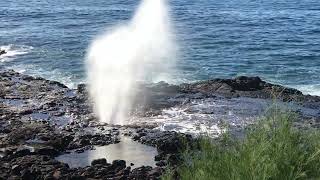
{"x": 245, "y": 87}
{"x": 40, "y": 119}
{"x": 2, "y": 52}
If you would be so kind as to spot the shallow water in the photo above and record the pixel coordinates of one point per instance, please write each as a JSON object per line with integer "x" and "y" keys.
{"x": 275, "y": 39}
{"x": 127, "y": 149}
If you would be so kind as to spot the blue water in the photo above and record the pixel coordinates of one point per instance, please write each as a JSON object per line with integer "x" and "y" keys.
{"x": 278, "y": 40}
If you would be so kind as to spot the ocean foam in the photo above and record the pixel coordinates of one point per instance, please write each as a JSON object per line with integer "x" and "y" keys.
{"x": 13, "y": 51}
{"x": 207, "y": 116}
{"x": 56, "y": 75}
{"x": 313, "y": 89}
{"x": 213, "y": 116}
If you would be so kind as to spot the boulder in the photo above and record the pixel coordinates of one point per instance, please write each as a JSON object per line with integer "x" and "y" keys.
{"x": 119, "y": 164}
{"x": 244, "y": 83}
{"x": 46, "y": 150}
{"x": 101, "y": 161}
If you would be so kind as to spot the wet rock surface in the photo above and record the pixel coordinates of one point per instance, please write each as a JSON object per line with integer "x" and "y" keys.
{"x": 2, "y": 52}
{"x": 41, "y": 119}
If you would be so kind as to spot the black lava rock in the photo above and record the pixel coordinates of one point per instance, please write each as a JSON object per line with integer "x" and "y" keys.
{"x": 119, "y": 164}
{"x": 101, "y": 161}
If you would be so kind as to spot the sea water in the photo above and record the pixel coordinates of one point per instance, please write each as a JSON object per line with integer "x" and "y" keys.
{"x": 275, "y": 39}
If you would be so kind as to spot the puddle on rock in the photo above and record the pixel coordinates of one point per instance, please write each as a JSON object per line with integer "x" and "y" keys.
{"x": 39, "y": 116}
{"x": 14, "y": 102}
{"x": 128, "y": 150}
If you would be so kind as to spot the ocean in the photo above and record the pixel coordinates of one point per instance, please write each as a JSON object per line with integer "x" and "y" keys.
{"x": 278, "y": 40}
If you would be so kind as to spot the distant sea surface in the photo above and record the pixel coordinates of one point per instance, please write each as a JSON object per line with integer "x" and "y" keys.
{"x": 278, "y": 40}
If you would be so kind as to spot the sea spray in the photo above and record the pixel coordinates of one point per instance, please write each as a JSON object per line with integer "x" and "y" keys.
{"x": 140, "y": 50}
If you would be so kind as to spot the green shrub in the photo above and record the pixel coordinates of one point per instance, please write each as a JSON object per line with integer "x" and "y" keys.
{"x": 272, "y": 149}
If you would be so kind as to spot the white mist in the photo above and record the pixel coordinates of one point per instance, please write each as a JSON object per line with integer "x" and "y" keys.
{"x": 140, "y": 50}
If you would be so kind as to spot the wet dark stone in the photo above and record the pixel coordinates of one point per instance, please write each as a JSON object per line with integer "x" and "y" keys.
{"x": 77, "y": 177}
{"x": 161, "y": 163}
{"x": 27, "y": 78}
{"x": 119, "y": 164}
{"x": 46, "y": 150}
{"x": 159, "y": 157}
{"x": 141, "y": 173}
{"x": 174, "y": 159}
{"x": 15, "y": 169}
{"x": 171, "y": 145}
{"x": 81, "y": 88}
{"x": 136, "y": 137}
{"x": 4, "y": 130}
{"x": 60, "y": 142}
{"x": 25, "y": 112}
{"x": 102, "y": 161}
{"x": 22, "y": 152}
{"x": 57, "y": 84}
{"x": 27, "y": 175}
{"x": 2, "y": 52}
{"x": 243, "y": 83}
{"x": 155, "y": 172}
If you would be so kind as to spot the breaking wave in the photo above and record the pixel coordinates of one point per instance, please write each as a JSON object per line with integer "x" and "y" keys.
{"x": 13, "y": 51}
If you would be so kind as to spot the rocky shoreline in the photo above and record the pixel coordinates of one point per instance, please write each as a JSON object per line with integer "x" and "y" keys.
{"x": 42, "y": 119}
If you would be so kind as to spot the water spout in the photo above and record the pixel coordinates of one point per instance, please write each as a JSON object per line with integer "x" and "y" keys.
{"x": 140, "y": 50}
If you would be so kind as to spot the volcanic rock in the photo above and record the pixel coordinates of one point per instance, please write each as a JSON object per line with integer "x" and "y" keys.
{"x": 102, "y": 161}
{"x": 40, "y": 119}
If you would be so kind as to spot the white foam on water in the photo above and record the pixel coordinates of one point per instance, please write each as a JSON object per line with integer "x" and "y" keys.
{"x": 313, "y": 89}
{"x": 210, "y": 116}
{"x": 142, "y": 49}
{"x": 55, "y": 75}
{"x": 12, "y": 51}
{"x": 213, "y": 116}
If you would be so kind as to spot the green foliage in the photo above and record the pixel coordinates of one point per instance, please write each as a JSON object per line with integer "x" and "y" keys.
{"x": 272, "y": 150}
